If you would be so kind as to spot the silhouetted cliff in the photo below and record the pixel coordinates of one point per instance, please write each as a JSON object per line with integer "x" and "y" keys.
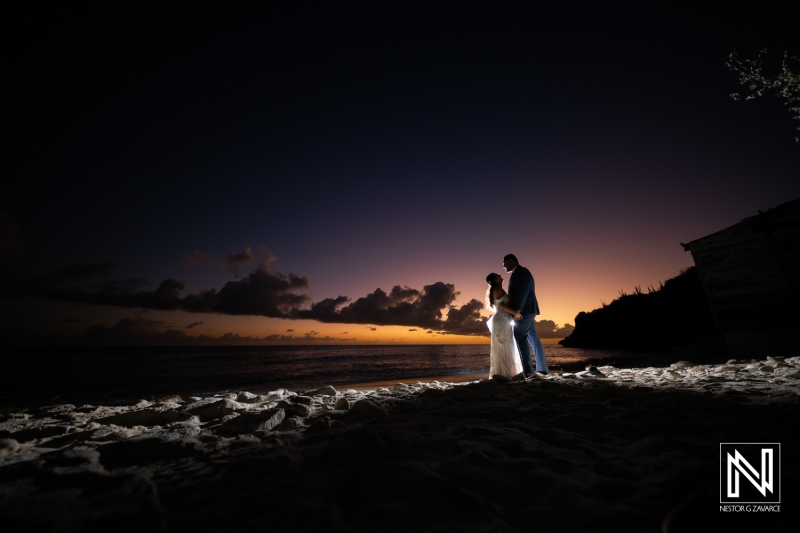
{"x": 676, "y": 314}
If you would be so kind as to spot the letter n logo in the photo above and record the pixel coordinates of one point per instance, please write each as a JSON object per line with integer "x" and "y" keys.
{"x": 750, "y": 472}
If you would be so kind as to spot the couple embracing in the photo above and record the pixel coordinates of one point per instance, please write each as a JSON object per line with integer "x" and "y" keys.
{"x": 512, "y": 325}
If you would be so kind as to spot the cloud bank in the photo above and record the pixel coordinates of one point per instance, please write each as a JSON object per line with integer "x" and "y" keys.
{"x": 142, "y": 331}
{"x": 275, "y": 295}
{"x": 237, "y": 261}
{"x": 547, "y": 329}
{"x": 198, "y": 258}
{"x": 262, "y": 293}
{"x": 430, "y": 308}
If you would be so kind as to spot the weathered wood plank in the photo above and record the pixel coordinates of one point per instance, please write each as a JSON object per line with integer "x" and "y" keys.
{"x": 751, "y": 272}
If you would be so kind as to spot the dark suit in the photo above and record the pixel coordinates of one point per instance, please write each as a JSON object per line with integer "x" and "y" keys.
{"x": 522, "y": 297}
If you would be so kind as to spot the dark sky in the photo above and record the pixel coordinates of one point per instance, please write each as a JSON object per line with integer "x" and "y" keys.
{"x": 235, "y": 168}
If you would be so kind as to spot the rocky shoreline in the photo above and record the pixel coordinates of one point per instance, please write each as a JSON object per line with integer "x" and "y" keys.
{"x": 620, "y": 446}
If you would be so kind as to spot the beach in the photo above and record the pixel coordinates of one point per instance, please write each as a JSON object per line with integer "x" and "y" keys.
{"x": 602, "y": 449}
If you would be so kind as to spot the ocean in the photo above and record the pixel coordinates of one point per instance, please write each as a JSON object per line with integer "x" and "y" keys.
{"x": 109, "y": 375}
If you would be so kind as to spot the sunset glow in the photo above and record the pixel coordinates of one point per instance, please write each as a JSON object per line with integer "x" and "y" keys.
{"x": 217, "y": 183}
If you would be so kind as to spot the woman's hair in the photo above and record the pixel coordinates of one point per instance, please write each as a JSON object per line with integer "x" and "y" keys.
{"x": 491, "y": 279}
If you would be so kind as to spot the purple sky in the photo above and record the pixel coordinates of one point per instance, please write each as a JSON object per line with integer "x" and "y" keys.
{"x": 261, "y": 174}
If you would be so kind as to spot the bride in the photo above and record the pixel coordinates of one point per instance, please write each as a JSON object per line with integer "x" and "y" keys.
{"x": 504, "y": 356}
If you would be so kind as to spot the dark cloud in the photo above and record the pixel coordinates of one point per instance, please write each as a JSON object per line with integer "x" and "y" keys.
{"x": 311, "y": 337}
{"x": 91, "y": 283}
{"x": 194, "y": 325}
{"x": 466, "y": 320}
{"x": 277, "y": 337}
{"x": 261, "y": 293}
{"x": 239, "y": 260}
{"x": 404, "y": 306}
{"x": 139, "y": 330}
{"x": 325, "y": 310}
{"x": 547, "y": 329}
{"x": 265, "y": 293}
{"x": 198, "y": 258}
{"x": 80, "y": 284}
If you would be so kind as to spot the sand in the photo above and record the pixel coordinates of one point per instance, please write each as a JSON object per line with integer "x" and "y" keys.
{"x": 609, "y": 449}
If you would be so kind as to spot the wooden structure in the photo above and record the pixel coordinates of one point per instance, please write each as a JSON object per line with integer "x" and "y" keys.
{"x": 750, "y": 273}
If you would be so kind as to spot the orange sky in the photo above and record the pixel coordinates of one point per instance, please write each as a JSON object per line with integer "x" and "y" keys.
{"x": 224, "y": 170}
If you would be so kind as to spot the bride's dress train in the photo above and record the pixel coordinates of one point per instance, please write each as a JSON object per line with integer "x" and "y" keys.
{"x": 504, "y": 356}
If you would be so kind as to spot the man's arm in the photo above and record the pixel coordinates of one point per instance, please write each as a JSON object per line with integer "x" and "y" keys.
{"x": 507, "y": 309}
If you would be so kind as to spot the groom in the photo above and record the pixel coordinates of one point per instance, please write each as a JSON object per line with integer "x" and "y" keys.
{"x": 522, "y": 298}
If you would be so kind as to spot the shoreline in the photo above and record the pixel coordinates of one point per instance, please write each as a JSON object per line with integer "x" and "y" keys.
{"x": 97, "y": 377}
{"x": 625, "y": 360}
{"x": 31, "y": 397}
{"x": 374, "y": 385}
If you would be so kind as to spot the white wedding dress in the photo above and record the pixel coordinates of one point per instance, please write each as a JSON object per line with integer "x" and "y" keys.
{"x": 504, "y": 355}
